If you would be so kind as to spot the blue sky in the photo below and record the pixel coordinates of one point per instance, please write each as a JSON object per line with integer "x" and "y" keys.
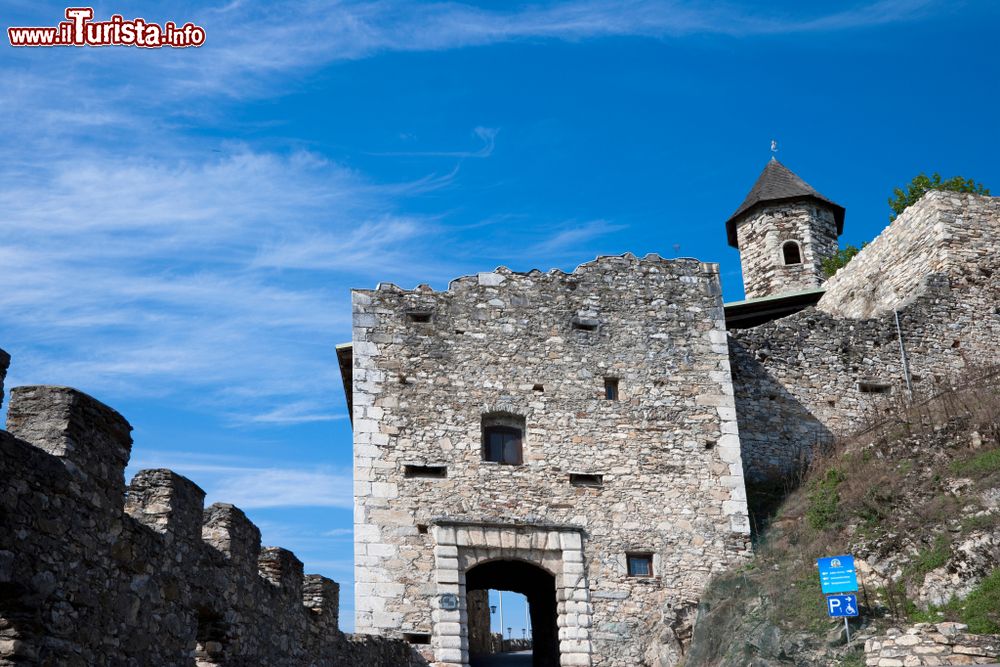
{"x": 181, "y": 228}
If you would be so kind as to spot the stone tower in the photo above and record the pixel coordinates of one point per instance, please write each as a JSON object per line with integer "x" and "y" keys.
{"x": 783, "y": 230}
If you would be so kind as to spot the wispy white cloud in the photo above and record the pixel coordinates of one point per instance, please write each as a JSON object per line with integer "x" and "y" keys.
{"x": 226, "y": 278}
{"x": 275, "y": 487}
{"x": 339, "y": 532}
{"x": 253, "y": 47}
{"x": 570, "y": 236}
{"x": 312, "y": 34}
{"x": 486, "y": 134}
{"x": 232, "y": 480}
{"x": 298, "y": 412}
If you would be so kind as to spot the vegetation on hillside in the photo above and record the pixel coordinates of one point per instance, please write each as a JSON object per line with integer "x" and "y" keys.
{"x": 902, "y": 496}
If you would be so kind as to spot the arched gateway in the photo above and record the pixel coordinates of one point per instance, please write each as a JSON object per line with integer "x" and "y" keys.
{"x": 542, "y": 562}
{"x": 536, "y": 584}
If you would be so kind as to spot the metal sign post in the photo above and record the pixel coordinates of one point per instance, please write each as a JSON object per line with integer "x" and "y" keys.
{"x": 839, "y": 582}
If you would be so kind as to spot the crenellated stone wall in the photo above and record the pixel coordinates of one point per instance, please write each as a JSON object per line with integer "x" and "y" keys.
{"x": 94, "y": 572}
{"x": 803, "y": 379}
{"x": 536, "y": 348}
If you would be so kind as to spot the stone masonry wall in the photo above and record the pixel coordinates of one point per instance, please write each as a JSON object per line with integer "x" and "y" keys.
{"x": 536, "y": 347}
{"x": 944, "y": 232}
{"x": 933, "y": 646}
{"x": 96, "y": 573}
{"x": 803, "y": 379}
{"x": 760, "y": 236}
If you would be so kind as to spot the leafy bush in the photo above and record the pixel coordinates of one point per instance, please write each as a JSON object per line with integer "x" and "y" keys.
{"x": 839, "y": 260}
{"x": 921, "y": 184}
{"x": 824, "y": 500}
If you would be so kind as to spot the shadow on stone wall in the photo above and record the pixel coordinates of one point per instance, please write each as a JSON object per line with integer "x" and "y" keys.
{"x": 779, "y": 435}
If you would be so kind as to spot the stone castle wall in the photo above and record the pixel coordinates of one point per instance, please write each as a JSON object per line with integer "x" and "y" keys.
{"x": 536, "y": 347}
{"x": 803, "y": 379}
{"x": 945, "y": 232}
{"x": 930, "y": 645}
{"x": 762, "y": 233}
{"x": 96, "y": 573}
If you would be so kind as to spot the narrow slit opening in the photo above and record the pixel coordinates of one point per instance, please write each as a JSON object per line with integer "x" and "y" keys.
{"x": 436, "y": 472}
{"x": 586, "y": 479}
{"x": 869, "y": 387}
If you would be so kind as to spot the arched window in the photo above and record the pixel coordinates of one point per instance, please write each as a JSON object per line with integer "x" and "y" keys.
{"x": 503, "y": 437}
{"x": 791, "y": 252}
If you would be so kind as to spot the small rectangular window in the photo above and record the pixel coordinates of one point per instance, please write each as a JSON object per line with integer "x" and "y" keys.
{"x": 640, "y": 565}
{"x": 586, "y": 479}
{"x": 421, "y": 316}
{"x": 611, "y": 389}
{"x": 425, "y": 471}
{"x": 417, "y": 637}
{"x": 502, "y": 444}
{"x": 585, "y": 325}
{"x": 867, "y": 387}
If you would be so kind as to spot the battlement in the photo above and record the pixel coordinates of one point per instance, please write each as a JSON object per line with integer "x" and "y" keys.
{"x": 601, "y": 266}
{"x": 94, "y": 572}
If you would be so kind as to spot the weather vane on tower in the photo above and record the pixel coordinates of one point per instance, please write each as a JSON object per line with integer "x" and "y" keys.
{"x": 774, "y": 149}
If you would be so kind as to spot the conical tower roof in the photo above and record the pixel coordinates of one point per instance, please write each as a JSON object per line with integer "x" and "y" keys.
{"x": 777, "y": 183}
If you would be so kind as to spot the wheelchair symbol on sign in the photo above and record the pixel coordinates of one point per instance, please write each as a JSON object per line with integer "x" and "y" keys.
{"x": 842, "y": 605}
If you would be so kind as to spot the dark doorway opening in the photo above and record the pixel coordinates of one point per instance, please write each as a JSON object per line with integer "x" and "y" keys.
{"x": 539, "y": 587}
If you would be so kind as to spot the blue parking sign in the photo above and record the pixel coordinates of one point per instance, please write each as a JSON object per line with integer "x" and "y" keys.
{"x": 842, "y": 605}
{"x": 837, "y": 575}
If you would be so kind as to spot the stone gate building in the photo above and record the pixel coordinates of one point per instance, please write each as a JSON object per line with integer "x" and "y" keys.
{"x": 569, "y": 436}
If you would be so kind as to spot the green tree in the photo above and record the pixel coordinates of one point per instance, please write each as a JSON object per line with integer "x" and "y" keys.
{"x": 921, "y": 184}
{"x": 839, "y": 259}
